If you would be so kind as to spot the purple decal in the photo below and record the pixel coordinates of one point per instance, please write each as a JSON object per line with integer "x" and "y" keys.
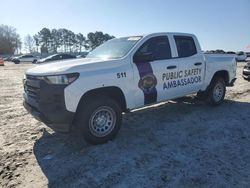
{"x": 147, "y": 82}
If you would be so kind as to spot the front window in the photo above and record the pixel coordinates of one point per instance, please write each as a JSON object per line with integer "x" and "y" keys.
{"x": 115, "y": 48}
{"x": 158, "y": 47}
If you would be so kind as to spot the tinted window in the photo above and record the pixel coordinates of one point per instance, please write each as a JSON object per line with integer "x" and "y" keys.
{"x": 67, "y": 56}
{"x": 56, "y": 57}
{"x": 64, "y": 56}
{"x": 26, "y": 56}
{"x": 157, "y": 46}
{"x": 185, "y": 46}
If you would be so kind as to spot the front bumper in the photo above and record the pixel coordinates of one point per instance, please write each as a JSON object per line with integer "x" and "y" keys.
{"x": 46, "y": 103}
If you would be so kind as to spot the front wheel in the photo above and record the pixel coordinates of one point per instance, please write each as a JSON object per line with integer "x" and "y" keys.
{"x": 99, "y": 119}
{"x": 216, "y": 91}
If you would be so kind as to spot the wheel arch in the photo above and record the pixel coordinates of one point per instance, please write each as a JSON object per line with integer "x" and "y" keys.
{"x": 224, "y": 74}
{"x": 113, "y": 92}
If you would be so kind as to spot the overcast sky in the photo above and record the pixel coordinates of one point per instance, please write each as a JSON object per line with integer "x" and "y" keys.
{"x": 219, "y": 24}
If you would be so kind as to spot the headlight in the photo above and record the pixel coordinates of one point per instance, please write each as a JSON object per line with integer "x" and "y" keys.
{"x": 64, "y": 79}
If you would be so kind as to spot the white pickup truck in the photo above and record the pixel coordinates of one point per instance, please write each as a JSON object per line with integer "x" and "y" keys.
{"x": 120, "y": 75}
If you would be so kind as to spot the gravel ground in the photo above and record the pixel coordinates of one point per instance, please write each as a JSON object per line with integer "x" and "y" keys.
{"x": 181, "y": 143}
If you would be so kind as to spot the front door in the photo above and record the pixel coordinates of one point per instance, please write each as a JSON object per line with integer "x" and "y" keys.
{"x": 155, "y": 66}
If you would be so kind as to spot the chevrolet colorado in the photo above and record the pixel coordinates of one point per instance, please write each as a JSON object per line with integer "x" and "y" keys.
{"x": 123, "y": 74}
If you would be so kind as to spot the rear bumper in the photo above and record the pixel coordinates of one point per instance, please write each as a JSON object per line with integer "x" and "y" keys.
{"x": 46, "y": 104}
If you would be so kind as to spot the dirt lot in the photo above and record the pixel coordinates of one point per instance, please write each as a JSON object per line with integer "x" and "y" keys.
{"x": 181, "y": 143}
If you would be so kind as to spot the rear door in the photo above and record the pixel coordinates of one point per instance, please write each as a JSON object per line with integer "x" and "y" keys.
{"x": 191, "y": 64}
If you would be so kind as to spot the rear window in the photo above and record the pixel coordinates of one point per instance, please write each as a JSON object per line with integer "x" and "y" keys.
{"x": 28, "y": 56}
{"x": 185, "y": 46}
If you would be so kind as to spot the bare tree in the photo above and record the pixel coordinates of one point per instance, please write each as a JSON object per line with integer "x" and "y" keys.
{"x": 9, "y": 40}
{"x": 29, "y": 44}
{"x": 36, "y": 39}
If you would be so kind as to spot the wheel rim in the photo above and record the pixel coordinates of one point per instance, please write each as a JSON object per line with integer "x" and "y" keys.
{"x": 218, "y": 92}
{"x": 102, "y": 121}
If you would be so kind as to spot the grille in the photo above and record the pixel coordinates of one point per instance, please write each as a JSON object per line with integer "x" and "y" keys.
{"x": 32, "y": 86}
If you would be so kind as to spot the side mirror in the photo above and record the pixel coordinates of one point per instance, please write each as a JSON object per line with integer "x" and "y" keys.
{"x": 143, "y": 57}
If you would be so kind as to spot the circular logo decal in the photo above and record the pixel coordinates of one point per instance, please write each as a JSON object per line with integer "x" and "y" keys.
{"x": 147, "y": 83}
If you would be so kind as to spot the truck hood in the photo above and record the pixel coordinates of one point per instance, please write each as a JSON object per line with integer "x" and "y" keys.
{"x": 69, "y": 66}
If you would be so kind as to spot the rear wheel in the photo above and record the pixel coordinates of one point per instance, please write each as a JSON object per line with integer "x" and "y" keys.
{"x": 99, "y": 119}
{"x": 216, "y": 91}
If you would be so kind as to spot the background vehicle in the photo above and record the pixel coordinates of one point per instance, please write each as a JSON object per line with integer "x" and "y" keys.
{"x": 246, "y": 72}
{"x": 220, "y": 52}
{"x": 230, "y": 52}
{"x": 248, "y": 54}
{"x": 9, "y": 58}
{"x": 123, "y": 74}
{"x": 24, "y": 58}
{"x": 1, "y": 61}
{"x": 241, "y": 56}
{"x": 56, "y": 57}
{"x": 83, "y": 55}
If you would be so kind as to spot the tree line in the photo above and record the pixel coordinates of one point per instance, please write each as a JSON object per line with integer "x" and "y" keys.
{"x": 50, "y": 41}
{"x": 64, "y": 40}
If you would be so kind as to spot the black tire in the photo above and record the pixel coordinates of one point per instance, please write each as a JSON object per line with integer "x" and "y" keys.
{"x": 216, "y": 91}
{"x": 89, "y": 114}
{"x": 34, "y": 61}
{"x": 247, "y": 79}
{"x": 16, "y": 61}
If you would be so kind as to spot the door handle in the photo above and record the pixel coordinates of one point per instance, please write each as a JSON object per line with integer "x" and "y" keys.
{"x": 198, "y": 64}
{"x": 171, "y": 67}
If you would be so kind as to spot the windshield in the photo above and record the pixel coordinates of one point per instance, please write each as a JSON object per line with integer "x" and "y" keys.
{"x": 51, "y": 56}
{"x": 115, "y": 48}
